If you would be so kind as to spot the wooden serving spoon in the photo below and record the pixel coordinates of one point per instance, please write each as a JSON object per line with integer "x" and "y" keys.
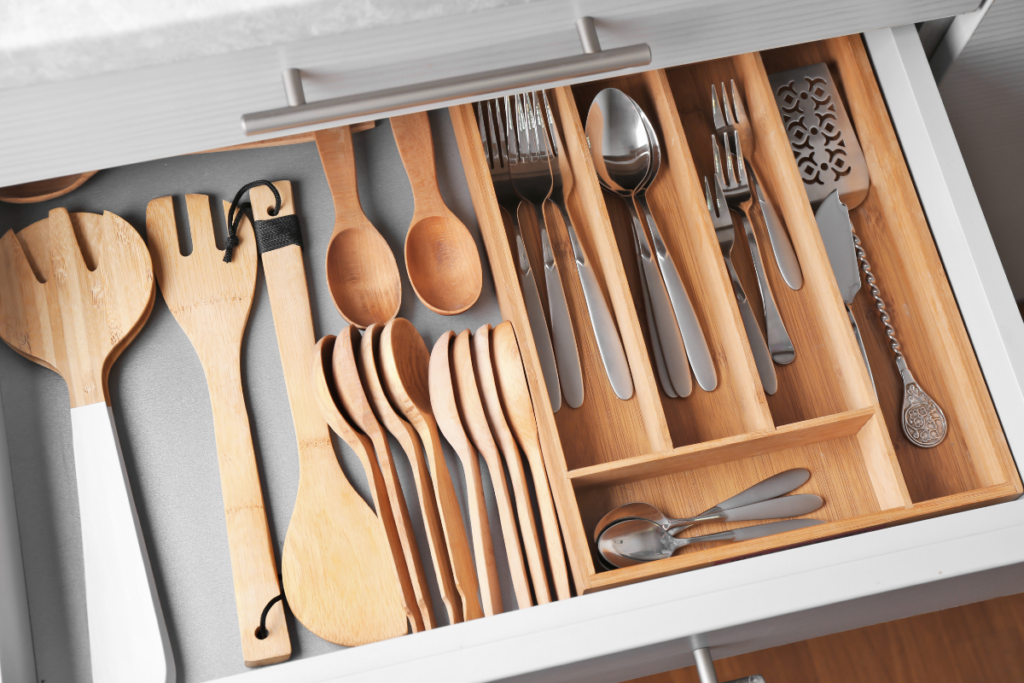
{"x": 515, "y": 394}
{"x": 410, "y": 442}
{"x": 348, "y": 383}
{"x": 446, "y": 411}
{"x": 361, "y": 270}
{"x": 471, "y": 408}
{"x": 211, "y": 300}
{"x": 74, "y": 308}
{"x": 322, "y": 377}
{"x": 405, "y": 362}
{"x": 338, "y": 571}
{"x": 510, "y": 453}
{"x": 440, "y": 254}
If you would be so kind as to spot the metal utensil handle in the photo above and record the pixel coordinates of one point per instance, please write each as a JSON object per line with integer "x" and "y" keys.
{"x": 758, "y": 347}
{"x": 608, "y": 343}
{"x": 779, "y": 342}
{"x": 860, "y": 345}
{"x": 538, "y": 323}
{"x": 652, "y": 329}
{"x": 890, "y": 332}
{"x": 693, "y": 335}
{"x": 782, "y": 247}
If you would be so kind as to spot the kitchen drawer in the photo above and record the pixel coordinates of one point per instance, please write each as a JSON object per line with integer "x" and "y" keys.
{"x": 612, "y": 635}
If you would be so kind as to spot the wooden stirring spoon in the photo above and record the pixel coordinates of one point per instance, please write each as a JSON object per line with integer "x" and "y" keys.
{"x": 322, "y": 377}
{"x": 440, "y": 254}
{"x": 350, "y": 389}
{"x": 405, "y": 362}
{"x": 361, "y": 270}
{"x": 510, "y": 453}
{"x": 515, "y": 394}
{"x": 337, "y": 566}
{"x": 474, "y": 418}
{"x": 75, "y": 320}
{"x": 410, "y": 442}
{"x": 445, "y": 404}
{"x": 211, "y": 301}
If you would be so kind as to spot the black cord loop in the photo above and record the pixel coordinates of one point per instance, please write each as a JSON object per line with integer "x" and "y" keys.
{"x": 262, "y": 632}
{"x": 237, "y": 210}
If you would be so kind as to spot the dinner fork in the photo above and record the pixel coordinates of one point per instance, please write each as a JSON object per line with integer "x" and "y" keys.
{"x": 498, "y": 137}
{"x": 530, "y": 167}
{"x": 730, "y": 118}
{"x": 735, "y": 184}
{"x": 725, "y": 231}
{"x": 608, "y": 343}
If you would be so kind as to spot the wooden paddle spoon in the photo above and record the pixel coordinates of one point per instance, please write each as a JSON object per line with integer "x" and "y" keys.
{"x": 349, "y": 386}
{"x": 515, "y": 394}
{"x": 74, "y": 320}
{"x": 444, "y": 402}
{"x": 440, "y": 254}
{"x": 410, "y": 442}
{"x": 43, "y": 190}
{"x": 405, "y": 362}
{"x": 338, "y": 571}
{"x": 510, "y": 452}
{"x": 361, "y": 270}
{"x": 324, "y": 384}
{"x": 211, "y": 302}
{"x": 471, "y": 408}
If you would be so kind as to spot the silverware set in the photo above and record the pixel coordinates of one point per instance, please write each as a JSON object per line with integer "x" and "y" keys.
{"x": 529, "y": 167}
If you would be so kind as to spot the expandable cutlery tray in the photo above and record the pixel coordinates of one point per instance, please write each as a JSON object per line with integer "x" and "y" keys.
{"x": 686, "y": 454}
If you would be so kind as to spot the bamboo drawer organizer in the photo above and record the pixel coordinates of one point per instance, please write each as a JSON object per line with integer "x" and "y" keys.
{"x": 685, "y": 455}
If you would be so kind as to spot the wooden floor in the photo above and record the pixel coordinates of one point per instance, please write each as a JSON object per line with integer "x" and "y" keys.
{"x": 980, "y": 643}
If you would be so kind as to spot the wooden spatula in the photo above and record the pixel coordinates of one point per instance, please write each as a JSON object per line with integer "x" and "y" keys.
{"x": 57, "y": 312}
{"x": 211, "y": 299}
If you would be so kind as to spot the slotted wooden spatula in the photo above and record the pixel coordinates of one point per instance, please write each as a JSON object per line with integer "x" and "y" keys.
{"x": 58, "y": 312}
{"x": 211, "y": 299}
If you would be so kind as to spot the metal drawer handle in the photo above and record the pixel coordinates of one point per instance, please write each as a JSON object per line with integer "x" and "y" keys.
{"x": 299, "y": 113}
{"x": 706, "y": 669}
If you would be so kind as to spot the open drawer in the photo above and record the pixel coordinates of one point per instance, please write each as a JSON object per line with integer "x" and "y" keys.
{"x": 683, "y": 454}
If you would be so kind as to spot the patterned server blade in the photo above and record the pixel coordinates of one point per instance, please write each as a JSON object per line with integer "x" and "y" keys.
{"x": 823, "y": 140}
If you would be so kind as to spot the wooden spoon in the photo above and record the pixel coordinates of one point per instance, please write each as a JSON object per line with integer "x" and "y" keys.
{"x": 515, "y": 394}
{"x": 440, "y": 254}
{"x": 405, "y": 361}
{"x": 410, "y": 442}
{"x": 43, "y": 190}
{"x": 73, "y": 308}
{"x": 510, "y": 452}
{"x": 348, "y": 383}
{"x": 361, "y": 270}
{"x": 322, "y": 377}
{"x": 211, "y": 299}
{"x": 445, "y": 404}
{"x": 338, "y": 571}
{"x": 471, "y": 408}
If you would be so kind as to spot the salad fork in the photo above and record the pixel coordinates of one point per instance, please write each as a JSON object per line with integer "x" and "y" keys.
{"x": 498, "y": 135}
{"x": 732, "y": 118}
{"x": 739, "y": 198}
{"x": 725, "y": 231}
{"x": 531, "y": 178}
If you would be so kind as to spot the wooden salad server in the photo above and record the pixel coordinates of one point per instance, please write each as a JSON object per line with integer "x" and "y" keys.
{"x": 58, "y": 312}
{"x": 339, "y": 576}
{"x": 211, "y": 300}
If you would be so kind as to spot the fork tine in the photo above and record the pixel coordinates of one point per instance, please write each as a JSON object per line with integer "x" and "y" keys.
{"x": 730, "y": 121}
{"x": 737, "y": 103}
{"x": 716, "y": 109}
{"x": 553, "y": 131}
{"x": 718, "y": 158}
{"x": 538, "y": 129}
{"x": 707, "y": 196}
{"x": 484, "y": 140}
{"x": 739, "y": 159}
{"x": 731, "y": 177}
{"x": 510, "y": 133}
{"x": 723, "y": 206}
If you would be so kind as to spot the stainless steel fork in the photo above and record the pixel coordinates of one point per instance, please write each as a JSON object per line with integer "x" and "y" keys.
{"x": 738, "y": 195}
{"x": 608, "y": 343}
{"x": 531, "y": 178}
{"x": 498, "y": 135}
{"x": 722, "y": 219}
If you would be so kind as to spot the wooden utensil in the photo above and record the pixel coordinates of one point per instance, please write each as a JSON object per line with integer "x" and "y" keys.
{"x": 510, "y": 453}
{"x": 350, "y": 389}
{"x": 446, "y": 411}
{"x": 57, "y": 312}
{"x": 361, "y": 270}
{"x": 410, "y": 442}
{"x": 404, "y": 362}
{"x": 324, "y": 383}
{"x": 515, "y": 394}
{"x": 211, "y": 301}
{"x": 440, "y": 254}
{"x": 43, "y": 190}
{"x": 337, "y": 568}
{"x": 471, "y": 408}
